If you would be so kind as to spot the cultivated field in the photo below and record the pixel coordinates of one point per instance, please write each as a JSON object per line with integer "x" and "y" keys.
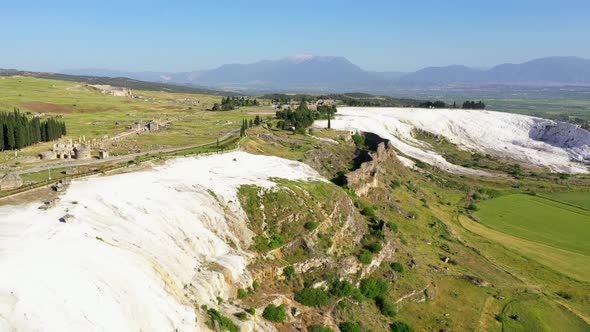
{"x": 577, "y": 198}
{"x": 538, "y": 219}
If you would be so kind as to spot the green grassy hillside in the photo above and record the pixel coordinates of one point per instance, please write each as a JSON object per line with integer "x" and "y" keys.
{"x": 540, "y": 220}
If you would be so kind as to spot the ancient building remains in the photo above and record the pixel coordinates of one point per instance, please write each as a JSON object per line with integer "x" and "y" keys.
{"x": 10, "y": 181}
{"x": 103, "y": 154}
{"x": 70, "y": 150}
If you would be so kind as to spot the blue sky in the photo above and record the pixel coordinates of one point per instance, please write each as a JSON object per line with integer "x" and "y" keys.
{"x": 377, "y": 35}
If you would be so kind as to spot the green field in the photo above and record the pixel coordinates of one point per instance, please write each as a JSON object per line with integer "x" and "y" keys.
{"x": 95, "y": 115}
{"x": 577, "y": 198}
{"x": 538, "y": 219}
{"x": 536, "y": 314}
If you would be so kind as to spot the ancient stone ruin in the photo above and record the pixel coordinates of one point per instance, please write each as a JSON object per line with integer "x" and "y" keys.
{"x": 10, "y": 181}
{"x": 71, "y": 150}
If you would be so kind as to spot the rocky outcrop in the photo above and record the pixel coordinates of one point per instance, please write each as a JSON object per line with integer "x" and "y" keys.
{"x": 564, "y": 135}
{"x": 10, "y": 181}
{"x": 367, "y": 175}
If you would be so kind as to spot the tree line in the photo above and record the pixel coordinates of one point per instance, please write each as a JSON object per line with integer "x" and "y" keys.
{"x": 246, "y": 124}
{"x": 18, "y": 131}
{"x": 230, "y": 103}
{"x": 302, "y": 117}
{"x": 467, "y": 105}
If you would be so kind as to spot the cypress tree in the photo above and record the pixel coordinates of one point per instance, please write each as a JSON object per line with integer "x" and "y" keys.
{"x": 1, "y": 133}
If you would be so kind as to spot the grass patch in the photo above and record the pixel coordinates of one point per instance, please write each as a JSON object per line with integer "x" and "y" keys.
{"x": 538, "y": 219}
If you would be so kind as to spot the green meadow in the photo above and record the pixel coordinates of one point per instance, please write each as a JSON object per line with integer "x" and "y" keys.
{"x": 538, "y": 219}
{"x": 577, "y": 198}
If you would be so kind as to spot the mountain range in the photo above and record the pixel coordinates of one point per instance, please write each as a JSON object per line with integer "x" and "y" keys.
{"x": 329, "y": 73}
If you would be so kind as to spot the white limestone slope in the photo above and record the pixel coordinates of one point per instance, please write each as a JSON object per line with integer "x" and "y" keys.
{"x": 135, "y": 240}
{"x": 562, "y": 147}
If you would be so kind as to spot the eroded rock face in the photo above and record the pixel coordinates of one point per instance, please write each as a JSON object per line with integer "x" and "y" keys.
{"x": 367, "y": 175}
{"x": 564, "y": 135}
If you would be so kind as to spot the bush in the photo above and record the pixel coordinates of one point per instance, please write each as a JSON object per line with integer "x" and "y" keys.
{"x": 242, "y": 293}
{"x": 385, "y": 306}
{"x": 375, "y": 247}
{"x": 255, "y": 285}
{"x": 392, "y": 226}
{"x": 366, "y": 257}
{"x": 472, "y": 207}
{"x": 241, "y": 315}
{"x": 318, "y": 328}
{"x": 312, "y": 297}
{"x": 368, "y": 211}
{"x": 374, "y": 287}
{"x": 401, "y": 327}
{"x": 350, "y": 327}
{"x": 564, "y": 295}
{"x": 251, "y": 311}
{"x": 289, "y": 271}
{"x": 275, "y": 313}
{"x": 311, "y": 225}
{"x": 397, "y": 267}
{"x": 359, "y": 140}
{"x": 224, "y": 322}
{"x": 343, "y": 288}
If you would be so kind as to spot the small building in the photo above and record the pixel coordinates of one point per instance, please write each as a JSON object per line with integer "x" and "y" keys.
{"x": 152, "y": 126}
{"x": 103, "y": 154}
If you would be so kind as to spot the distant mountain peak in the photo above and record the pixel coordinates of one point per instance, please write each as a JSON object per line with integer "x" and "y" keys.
{"x": 301, "y": 57}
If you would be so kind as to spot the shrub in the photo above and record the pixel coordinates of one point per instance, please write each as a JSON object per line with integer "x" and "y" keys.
{"x": 255, "y": 285}
{"x": 392, "y": 226}
{"x": 401, "y": 327}
{"x": 241, "y": 315}
{"x": 310, "y": 225}
{"x": 564, "y": 295}
{"x": 375, "y": 247}
{"x": 395, "y": 184}
{"x": 385, "y": 306}
{"x": 343, "y": 288}
{"x": 289, "y": 271}
{"x": 318, "y": 328}
{"x": 366, "y": 257}
{"x": 472, "y": 207}
{"x": 359, "y": 140}
{"x": 224, "y": 322}
{"x": 274, "y": 313}
{"x": 251, "y": 311}
{"x": 397, "y": 267}
{"x": 312, "y": 297}
{"x": 368, "y": 211}
{"x": 374, "y": 287}
{"x": 350, "y": 327}
{"x": 242, "y": 293}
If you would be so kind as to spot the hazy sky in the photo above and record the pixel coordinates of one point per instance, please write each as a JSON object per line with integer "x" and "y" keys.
{"x": 377, "y": 35}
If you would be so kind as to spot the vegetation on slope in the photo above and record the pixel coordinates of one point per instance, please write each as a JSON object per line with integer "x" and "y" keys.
{"x": 443, "y": 274}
